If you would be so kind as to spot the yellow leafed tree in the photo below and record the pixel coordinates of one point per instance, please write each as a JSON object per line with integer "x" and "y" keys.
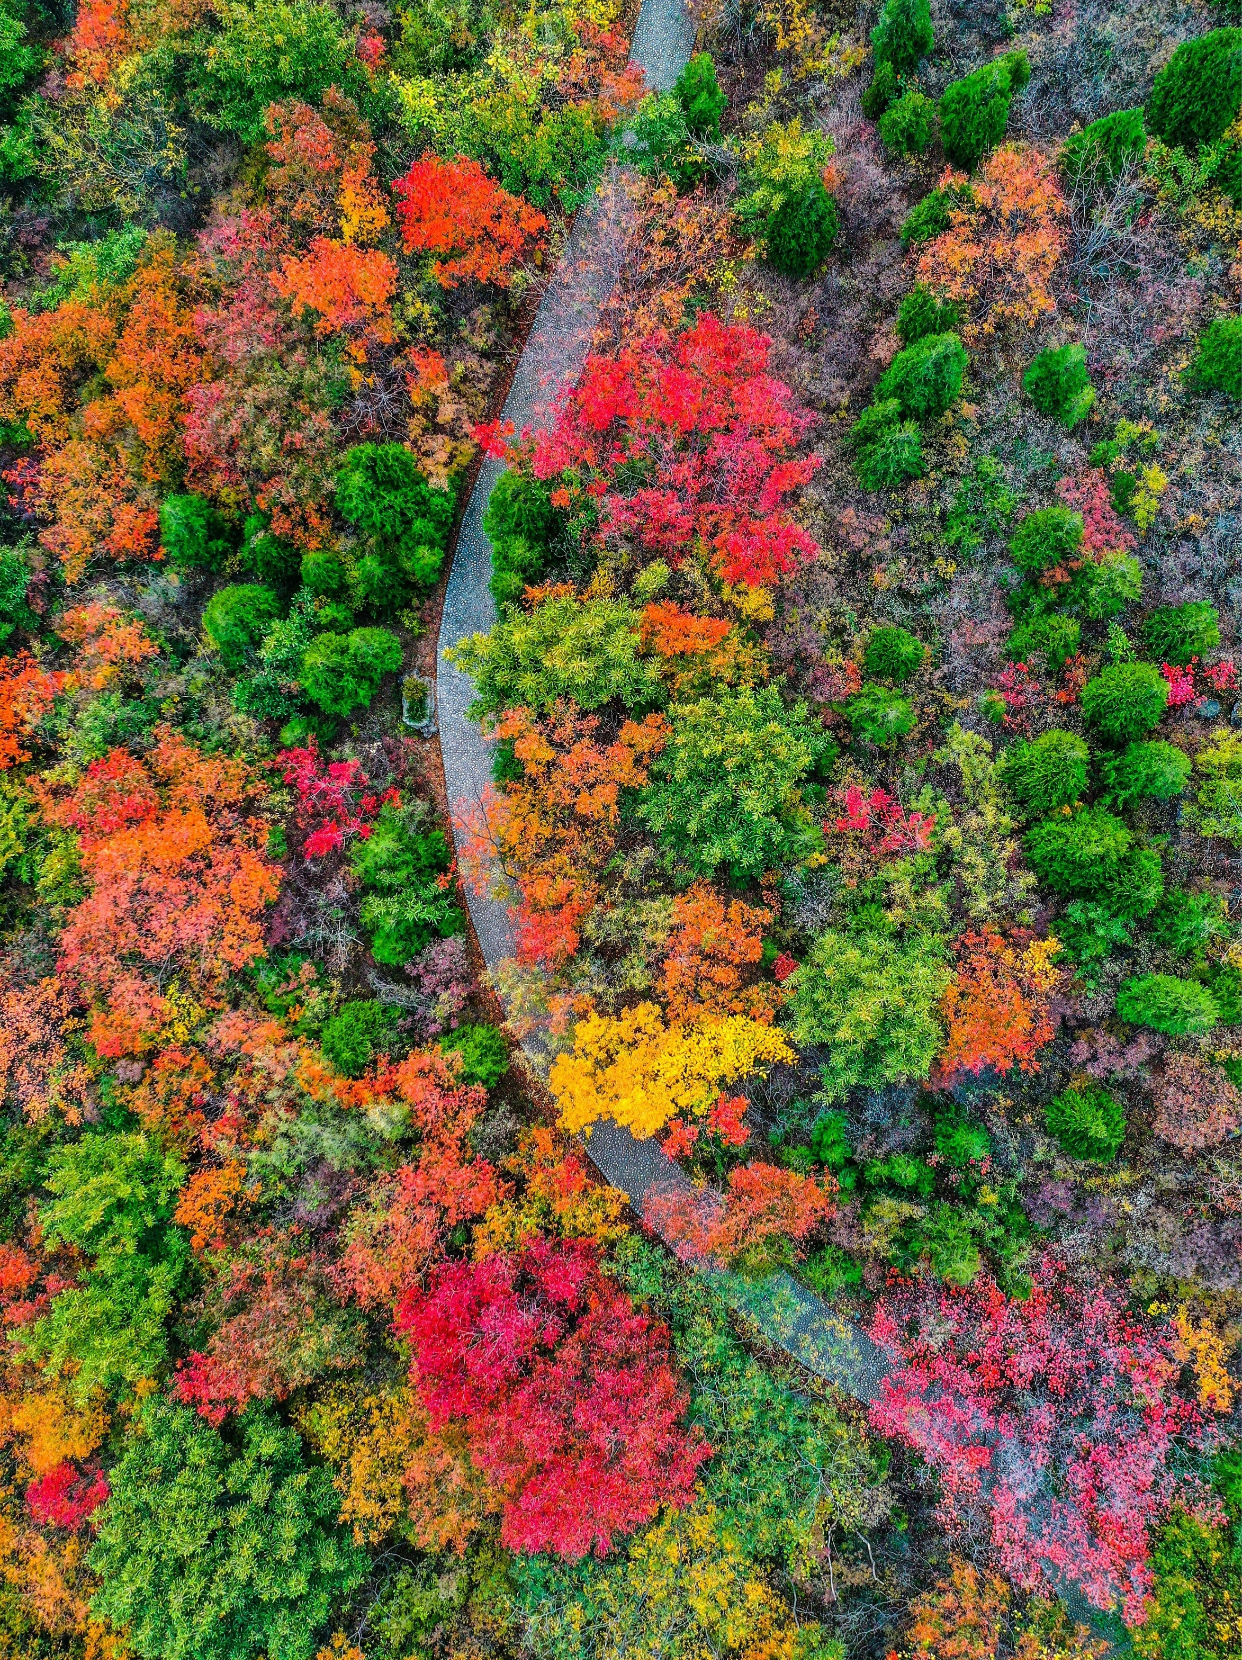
{"x": 639, "y": 1072}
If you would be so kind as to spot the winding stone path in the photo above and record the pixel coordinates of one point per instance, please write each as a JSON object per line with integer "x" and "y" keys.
{"x": 789, "y": 1315}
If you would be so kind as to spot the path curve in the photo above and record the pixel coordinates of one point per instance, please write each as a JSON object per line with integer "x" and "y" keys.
{"x": 790, "y": 1316}
{"x": 786, "y": 1312}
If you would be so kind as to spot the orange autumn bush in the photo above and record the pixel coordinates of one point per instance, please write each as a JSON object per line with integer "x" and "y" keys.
{"x": 713, "y": 951}
{"x": 100, "y": 384}
{"x": 998, "y": 1010}
{"x": 554, "y": 829}
{"x": 1007, "y": 233}
{"x": 172, "y": 849}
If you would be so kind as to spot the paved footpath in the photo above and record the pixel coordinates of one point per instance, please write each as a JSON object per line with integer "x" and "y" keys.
{"x": 789, "y": 1316}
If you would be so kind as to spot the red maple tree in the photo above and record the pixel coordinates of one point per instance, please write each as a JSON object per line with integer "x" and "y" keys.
{"x": 567, "y": 1394}
{"x": 477, "y": 230}
{"x": 689, "y": 438}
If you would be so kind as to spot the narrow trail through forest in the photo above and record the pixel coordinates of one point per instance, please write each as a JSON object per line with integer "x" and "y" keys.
{"x": 785, "y": 1311}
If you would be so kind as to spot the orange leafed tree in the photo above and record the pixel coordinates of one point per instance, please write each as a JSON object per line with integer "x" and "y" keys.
{"x": 26, "y": 693}
{"x": 477, "y": 231}
{"x": 763, "y": 1216}
{"x": 107, "y": 643}
{"x": 712, "y": 949}
{"x": 343, "y": 284}
{"x": 401, "y": 1227}
{"x": 101, "y": 386}
{"x": 1004, "y": 242}
{"x": 555, "y": 828}
{"x": 171, "y": 847}
{"x": 320, "y": 183}
{"x": 998, "y": 1010}
{"x": 36, "y": 1066}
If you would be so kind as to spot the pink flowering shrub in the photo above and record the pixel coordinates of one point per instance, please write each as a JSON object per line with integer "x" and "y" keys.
{"x": 1060, "y": 1413}
{"x": 65, "y": 1496}
{"x": 885, "y": 825}
{"x": 1181, "y": 682}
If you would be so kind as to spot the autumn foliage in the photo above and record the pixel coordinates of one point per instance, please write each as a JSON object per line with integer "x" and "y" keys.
{"x": 717, "y": 432}
{"x": 1007, "y": 233}
{"x": 571, "y": 1407}
{"x": 132, "y": 352}
{"x": 553, "y": 829}
{"x": 172, "y": 849}
{"x": 476, "y": 231}
{"x": 995, "y": 1389}
{"x": 998, "y": 1010}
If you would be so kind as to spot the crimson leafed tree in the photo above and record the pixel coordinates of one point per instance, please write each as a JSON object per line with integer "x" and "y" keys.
{"x": 713, "y": 434}
{"x": 566, "y": 1393}
{"x": 1060, "y": 1412}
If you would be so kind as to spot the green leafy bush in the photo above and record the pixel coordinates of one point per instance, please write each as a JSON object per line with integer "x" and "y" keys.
{"x": 921, "y": 313}
{"x": 324, "y": 573}
{"x": 268, "y": 50}
{"x": 1047, "y": 772}
{"x": 880, "y": 716}
{"x": 888, "y": 450}
{"x": 1136, "y": 886}
{"x": 15, "y": 573}
{"x": 908, "y": 127}
{"x": 663, "y": 142}
{"x": 803, "y": 231}
{"x": 1218, "y": 362}
{"x": 1185, "y": 922}
{"x": 1178, "y": 1008}
{"x": 925, "y": 378}
{"x": 975, "y": 110}
{"x": 930, "y": 217}
{"x": 1088, "y": 1122}
{"x": 1124, "y": 701}
{"x": 1100, "y": 152}
{"x": 725, "y": 791}
{"x": 236, "y": 619}
{"x": 1046, "y": 538}
{"x": 113, "y": 1196}
{"x": 893, "y": 654}
{"x": 484, "y": 1054}
{"x": 208, "y": 1550}
{"x": 587, "y": 650}
{"x": 873, "y": 1005}
{"x": 342, "y": 672}
{"x": 1218, "y": 801}
{"x": 698, "y": 92}
{"x": 1104, "y": 589}
{"x": 1079, "y": 853}
{"x": 1048, "y": 635}
{"x": 903, "y": 34}
{"x": 1176, "y": 633}
{"x": 275, "y": 562}
{"x": 358, "y": 1032}
{"x": 1057, "y": 384}
{"x": 782, "y": 201}
{"x": 192, "y": 533}
{"x": 1198, "y": 92}
{"x": 521, "y": 524}
{"x": 880, "y": 94}
{"x": 404, "y": 521}
{"x": 405, "y": 907}
{"x": 1157, "y": 770}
